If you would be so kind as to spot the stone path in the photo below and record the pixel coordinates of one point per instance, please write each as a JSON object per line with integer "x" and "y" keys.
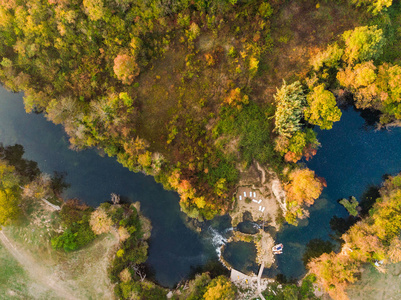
{"x": 246, "y": 281}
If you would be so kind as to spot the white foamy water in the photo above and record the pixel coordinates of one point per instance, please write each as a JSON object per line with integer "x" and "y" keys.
{"x": 227, "y": 230}
{"x": 217, "y": 239}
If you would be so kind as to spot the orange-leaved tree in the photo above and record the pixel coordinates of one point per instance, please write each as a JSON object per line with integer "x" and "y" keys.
{"x": 302, "y": 190}
{"x": 125, "y": 68}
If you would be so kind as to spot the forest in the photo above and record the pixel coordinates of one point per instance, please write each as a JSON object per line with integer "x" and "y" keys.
{"x": 194, "y": 92}
{"x": 186, "y": 90}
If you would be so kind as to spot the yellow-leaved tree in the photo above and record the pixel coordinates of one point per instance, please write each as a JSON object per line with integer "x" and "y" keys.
{"x": 9, "y": 193}
{"x": 125, "y": 68}
{"x": 220, "y": 288}
{"x": 322, "y": 109}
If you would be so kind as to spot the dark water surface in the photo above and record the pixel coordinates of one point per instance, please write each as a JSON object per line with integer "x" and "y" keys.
{"x": 173, "y": 249}
{"x": 241, "y": 256}
{"x": 352, "y": 157}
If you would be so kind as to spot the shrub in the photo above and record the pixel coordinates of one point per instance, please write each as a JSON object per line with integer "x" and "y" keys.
{"x": 220, "y": 288}
{"x": 100, "y": 222}
{"x": 67, "y": 241}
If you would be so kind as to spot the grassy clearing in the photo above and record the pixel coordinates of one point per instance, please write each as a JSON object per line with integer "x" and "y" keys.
{"x": 375, "y": 285}
{"x": 16, "y": 283}
{"x": 13, "y": 279}
{"x": 81, "y": 274}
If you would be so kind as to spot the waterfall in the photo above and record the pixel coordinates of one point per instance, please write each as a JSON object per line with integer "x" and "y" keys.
{"x": 227, "y": 230}
{"x": 217, "y": 240}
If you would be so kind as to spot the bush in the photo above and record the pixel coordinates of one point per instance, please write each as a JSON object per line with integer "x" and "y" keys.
{"x": 78, "y": 233}
{"x": 67, "y": 241}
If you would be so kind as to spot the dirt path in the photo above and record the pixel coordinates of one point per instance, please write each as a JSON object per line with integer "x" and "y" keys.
{"x": 38, "y": 272}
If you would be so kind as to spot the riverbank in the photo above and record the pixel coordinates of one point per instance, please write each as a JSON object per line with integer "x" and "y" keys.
{"x": 93, "y": 178}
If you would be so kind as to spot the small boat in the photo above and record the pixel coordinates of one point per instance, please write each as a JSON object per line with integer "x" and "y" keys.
{"x": 278, "y": 249}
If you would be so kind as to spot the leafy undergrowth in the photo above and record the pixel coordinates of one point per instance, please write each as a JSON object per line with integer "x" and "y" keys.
{"x": 305, "y": 289}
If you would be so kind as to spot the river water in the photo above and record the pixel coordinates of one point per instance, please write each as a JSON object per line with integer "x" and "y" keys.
{"x": 351, "y": 158}
{"x": 174, "y": 248}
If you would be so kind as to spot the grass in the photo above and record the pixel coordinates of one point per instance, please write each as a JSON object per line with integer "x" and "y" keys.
{"x": 16, "y": 283}
{"x": 253, "y": 126}
{"x": 73, "y": 271}
{"x": 375, "y": 285}
{"x": 299, "y": 29}
{"x": 13, "y": 277}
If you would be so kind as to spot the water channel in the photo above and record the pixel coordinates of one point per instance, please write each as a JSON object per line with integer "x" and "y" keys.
{"x": 174, "y": 248}
{"x": 351, "y": 158}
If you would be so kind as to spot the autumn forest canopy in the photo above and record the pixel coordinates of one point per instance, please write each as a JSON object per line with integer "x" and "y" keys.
{"x": 194, "y": 92}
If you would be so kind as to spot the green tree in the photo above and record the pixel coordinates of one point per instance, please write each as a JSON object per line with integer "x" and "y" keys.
{"x": 302, "y": 143}
{"x": 363, "y": 43}
{"x": 350, "y": 205}
{"x": 67, "y": 241}
{"x": 322, "y": 109}
{"x": 291, "y": 102}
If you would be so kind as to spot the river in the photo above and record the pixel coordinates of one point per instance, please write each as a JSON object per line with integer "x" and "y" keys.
{"x": 351, "y": 158}
{"x": 174, "y": 248}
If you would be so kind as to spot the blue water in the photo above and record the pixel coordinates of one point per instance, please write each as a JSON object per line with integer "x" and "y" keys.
{"x": 351, "y": 158}
{"x": 174, "y": 248}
